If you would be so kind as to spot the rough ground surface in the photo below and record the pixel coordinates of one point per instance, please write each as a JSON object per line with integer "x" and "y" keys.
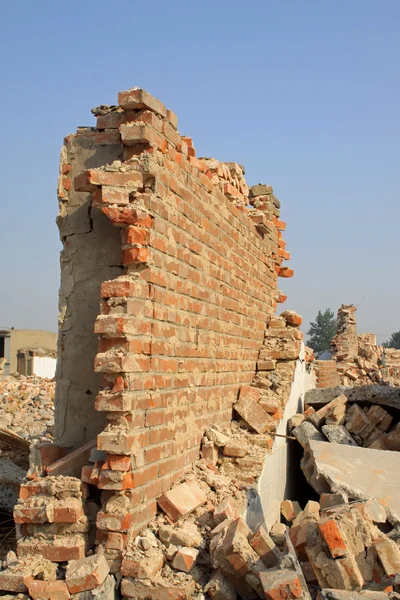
{"x": 27, "y": 406}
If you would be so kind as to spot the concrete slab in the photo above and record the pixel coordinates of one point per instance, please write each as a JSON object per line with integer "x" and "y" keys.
{"x": 368, "y": 394}
{"x": 361, "y": 473}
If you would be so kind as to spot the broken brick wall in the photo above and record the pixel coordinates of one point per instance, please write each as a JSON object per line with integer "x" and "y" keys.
{"x": 359, "y": 361}
{"x": 326, "y": 374}
{"x": 91, "y": 254}
{"x": 187, "y": 276}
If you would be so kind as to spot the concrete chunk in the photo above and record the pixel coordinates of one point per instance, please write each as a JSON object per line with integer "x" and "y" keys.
{"x": 361, "y": 473}
{"x": 306, "y": 432}
{"x": 337, "y": 434}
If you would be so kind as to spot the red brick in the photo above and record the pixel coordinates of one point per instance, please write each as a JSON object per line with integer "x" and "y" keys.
{"x": 182, "y": 500}
{"x": 86, "y": 573}
{"x": 48, "y": 590}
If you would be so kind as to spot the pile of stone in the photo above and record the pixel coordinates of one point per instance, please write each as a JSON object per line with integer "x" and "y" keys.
{"x": 342, "y": 422}
{"x": 359, "y": 360}
{"x": 27, "y": 406}
{"x": 229, "y": 176}
{"x": 342, "y": 545}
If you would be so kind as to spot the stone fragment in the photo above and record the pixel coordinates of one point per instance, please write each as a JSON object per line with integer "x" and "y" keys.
{"x": 254, "y": 415}
{"x": 337, "y": 434}
{"x": 219, "y": 587}
{"x": 86, "y": 573}
{"x": 209, "y": 451}
{"x": 265, "y": 547}
{"x": 226, "y": 509}
{"x": 376, "y": 511}
{"x": 182, "y": 500}
{"x": 332, "y": 500}
{"x": 281, "y": 584}
{"x": 184, "y": 559}
{"x": 295, "y": 421}
{"x": 358, "y": 472}
{"x": 389, "y": 555}
{"x": 278, "y": 534}
{"x": 235, "y": 448}
{"x": 214, "y": 434}
{"x": 306, "y": 432}
{"x": 290, "y": 509}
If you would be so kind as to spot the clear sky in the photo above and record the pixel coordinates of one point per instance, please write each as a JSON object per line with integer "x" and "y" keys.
{"x": 304, "y": 93}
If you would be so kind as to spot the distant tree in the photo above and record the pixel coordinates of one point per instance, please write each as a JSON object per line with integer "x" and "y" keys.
{"x": 393, "y": 341}
{"x": 322, "y": 331}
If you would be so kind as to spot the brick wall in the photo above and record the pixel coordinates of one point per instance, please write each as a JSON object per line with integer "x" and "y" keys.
{"x": 181, "y": 329}
{"x": 327, "y": 375}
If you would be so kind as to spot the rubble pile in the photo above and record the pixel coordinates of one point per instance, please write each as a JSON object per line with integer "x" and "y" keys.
{"x": 341, "y": 545}
{"x": 27, "y": 406}
{"x": 359, "y": 361}
{"x": 342, "y": 422}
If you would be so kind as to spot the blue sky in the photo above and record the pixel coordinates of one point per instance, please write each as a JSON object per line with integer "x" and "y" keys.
{"x": 304, "y": 93}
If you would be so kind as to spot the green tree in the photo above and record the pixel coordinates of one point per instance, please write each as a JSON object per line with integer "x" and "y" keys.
{"x": 393, "y": 341}
{"x": 322, "y": 331}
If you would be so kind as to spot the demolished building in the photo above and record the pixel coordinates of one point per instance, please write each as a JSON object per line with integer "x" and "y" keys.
{"x": 175, "y": 384}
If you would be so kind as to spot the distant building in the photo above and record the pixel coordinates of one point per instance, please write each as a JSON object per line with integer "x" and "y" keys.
{"x": 28, "y": 351}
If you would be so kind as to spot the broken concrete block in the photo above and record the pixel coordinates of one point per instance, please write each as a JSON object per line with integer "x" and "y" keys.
{"x": 214, "y": 434}
{"x": 337, "y": 434}
{"x": 332, "y": 500}
{"x": 388, "y": 554}
{"x": 290, "y": 509}
{"x": 86, "y": 573}
{"x": 376, "y": 511}
{"x": 330, "y": 594}
{"x": 226, "y": 509}
{"x": 235, "y": 448}
{"x": 254, "y": 415}
{"x": 281, "y": 583}
{"x": 358, "y": 472}
{"x": 265, "y": 547}
{"x": 306, "y": 432}
{"x": 182, "y": 500}
{"x": 220, "y": 588}
{"x": 185, "y": 559}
